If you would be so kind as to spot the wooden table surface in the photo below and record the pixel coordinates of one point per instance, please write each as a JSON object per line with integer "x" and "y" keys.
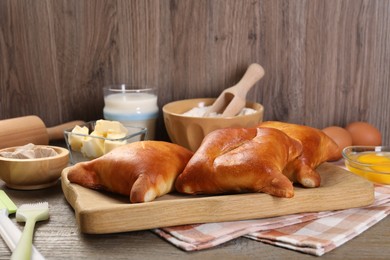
{"x": 59, "y": 238}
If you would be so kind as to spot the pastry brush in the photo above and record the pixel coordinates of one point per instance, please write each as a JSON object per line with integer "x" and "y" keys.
{"x": 8, "y": 230}
{"x": 7, "y": 227}
{"x": 30, "y": 213}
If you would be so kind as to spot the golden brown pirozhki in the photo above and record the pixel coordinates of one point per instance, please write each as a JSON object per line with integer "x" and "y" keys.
{"x": 241, "y": 160}
{"x": 142, "y": 170}
{"x": 317, "y": 148}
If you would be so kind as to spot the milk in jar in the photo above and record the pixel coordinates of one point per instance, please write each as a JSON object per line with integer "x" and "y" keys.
{"x": 132, "y": 106}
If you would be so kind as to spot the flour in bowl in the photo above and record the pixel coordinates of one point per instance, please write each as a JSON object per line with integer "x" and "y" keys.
{"x": 29, "y": 151}
{"x": 201, "y": 110}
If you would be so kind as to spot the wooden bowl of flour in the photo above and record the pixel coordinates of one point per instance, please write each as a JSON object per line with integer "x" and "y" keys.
{"x": 189, "y": 130}
{"x": 34, "y": 173}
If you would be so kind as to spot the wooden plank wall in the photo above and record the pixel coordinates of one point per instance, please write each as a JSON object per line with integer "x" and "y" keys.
{"x": 326, "y": 62}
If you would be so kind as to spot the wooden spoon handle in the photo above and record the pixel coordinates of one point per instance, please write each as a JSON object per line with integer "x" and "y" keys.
{"x": 253, "y": 74}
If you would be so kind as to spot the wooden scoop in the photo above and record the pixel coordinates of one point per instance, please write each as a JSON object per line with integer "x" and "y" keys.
{"x": 232, "y": 100}
{"x": 30, "y": 129}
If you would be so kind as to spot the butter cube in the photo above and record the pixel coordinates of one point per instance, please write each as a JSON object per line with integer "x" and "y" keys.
{"x": 92, "y": 147}
{"x": 109, "y": 145}
{"x": 109, "y": 127}
{"x": 115, "y": 135}
{"x": 97, "y": 133}
{"x": 95, "y": 144}
{"x": 76, "y": 141}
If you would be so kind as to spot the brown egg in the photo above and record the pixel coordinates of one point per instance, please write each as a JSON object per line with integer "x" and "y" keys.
{"x": 364, "y": 134}
{"x": 340, "y": 136}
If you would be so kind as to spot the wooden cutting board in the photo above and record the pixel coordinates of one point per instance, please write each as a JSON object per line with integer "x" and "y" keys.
{"x": 101, "y": 212}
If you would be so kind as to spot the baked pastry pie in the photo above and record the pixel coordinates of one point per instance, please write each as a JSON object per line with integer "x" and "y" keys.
{"x": 317, "y": 148}
{"x": 235, "y": 160}
{"x": 142, "y": 170}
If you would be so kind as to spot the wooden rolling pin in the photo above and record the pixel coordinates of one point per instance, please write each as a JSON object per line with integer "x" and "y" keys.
{"x": 30, "y": 129}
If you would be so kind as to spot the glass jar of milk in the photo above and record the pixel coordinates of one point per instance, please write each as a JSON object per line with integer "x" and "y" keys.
{"x": 132, "y": 105}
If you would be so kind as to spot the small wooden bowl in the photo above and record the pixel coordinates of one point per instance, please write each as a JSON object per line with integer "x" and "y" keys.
{"x": 33, "y": 174}
{"x": 189, "y": 131}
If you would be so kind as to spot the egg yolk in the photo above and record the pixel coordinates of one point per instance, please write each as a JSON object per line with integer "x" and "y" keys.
{"x": 373, "y": 158}
{"x": 379, "y": 168}
{"x": 382, "y": 162}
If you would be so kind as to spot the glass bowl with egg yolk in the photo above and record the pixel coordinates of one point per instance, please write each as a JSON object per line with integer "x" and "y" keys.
{"x": 370, "y": 162}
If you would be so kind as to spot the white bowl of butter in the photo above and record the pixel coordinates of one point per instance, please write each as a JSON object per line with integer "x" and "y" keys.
{"x": 32, "y": 167}
{"x": 96, "y": 138}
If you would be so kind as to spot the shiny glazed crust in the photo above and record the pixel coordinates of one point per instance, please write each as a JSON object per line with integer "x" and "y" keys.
{"x": 241, "y": 160}
{"x": 317, "y": 148}
{"x": 142, "y": 170}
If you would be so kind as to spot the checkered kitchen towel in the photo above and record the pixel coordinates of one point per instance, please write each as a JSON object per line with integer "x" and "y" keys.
{"x": 312, "y": 233}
